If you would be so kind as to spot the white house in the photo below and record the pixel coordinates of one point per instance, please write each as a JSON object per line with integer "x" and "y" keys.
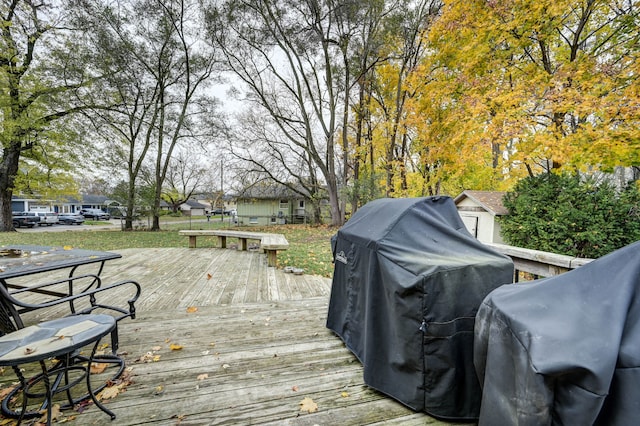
{"x": 193, "y": 208}
{"x": 479, "y": 211}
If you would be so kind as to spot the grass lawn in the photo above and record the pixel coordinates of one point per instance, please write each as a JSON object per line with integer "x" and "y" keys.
{"x": 309, "y": 246}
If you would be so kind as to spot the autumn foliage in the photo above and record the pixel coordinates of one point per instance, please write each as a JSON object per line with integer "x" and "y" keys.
{"x": 507, "y": 89}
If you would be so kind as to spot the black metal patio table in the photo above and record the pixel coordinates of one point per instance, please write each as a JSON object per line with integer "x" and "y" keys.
{"x": 39, "y": 277}
{"x": 22, "y": 260}
{"x": 58, "y": 338}
{"x": 19, "y": 261}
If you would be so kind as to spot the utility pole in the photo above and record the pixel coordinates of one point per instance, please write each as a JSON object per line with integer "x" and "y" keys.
{"x": 222, "y": 190}
{"x": 221, "y": 178}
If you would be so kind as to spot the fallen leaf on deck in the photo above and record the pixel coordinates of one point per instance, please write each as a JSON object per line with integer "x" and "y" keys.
{"x": 149, "y": 357}
{"x": 55, "y": 413}
{"x": 294, "y": 388}
{"x": 175, "y": 347}
{"x": 6, "y": 391}
{"x": 192, "y": 309}
{"x": 209, "y": 276}
{"x": 98, "y": 367}
{"x": 308, "y": 405}
{"x": 225, "y": 366}
{"x": 159, "y": 390}
{"x": 344, "y": 394}
{"x": 156, "y": 348}
{"x": 203, "y": 376}
{"x": 109, "y": 392}
{"x": 146, "y": 357}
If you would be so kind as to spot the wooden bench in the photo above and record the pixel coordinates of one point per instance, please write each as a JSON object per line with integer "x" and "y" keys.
{"x": 270, "y": 243}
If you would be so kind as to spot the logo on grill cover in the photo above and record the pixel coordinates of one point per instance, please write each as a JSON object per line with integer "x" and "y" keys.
{"x": 341, "y": 257}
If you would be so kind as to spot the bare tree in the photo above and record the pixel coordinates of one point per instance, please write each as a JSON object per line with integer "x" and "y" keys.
{"x": 283, "y": 53}
{"x": 185, "y": 177}
{"x": 160, "y": 68}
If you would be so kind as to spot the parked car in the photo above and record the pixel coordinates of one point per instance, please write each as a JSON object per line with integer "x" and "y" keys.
{"x": 223, "y": 212}
{"x": 47, "y": 218}
{"x": 28, "y": 219}
{"x": 96, "y": 214}
{"x": 71, "y": 218}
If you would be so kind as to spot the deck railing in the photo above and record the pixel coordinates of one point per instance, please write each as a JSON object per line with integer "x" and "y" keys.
{"x": 538, "y": 263}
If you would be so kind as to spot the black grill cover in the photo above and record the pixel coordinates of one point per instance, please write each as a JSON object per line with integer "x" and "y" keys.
{"x": 407, "y": 284}
{"x": 564, "y": 350}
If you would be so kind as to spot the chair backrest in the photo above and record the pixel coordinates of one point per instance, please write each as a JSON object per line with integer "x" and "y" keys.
{"x": 9, "y": 318}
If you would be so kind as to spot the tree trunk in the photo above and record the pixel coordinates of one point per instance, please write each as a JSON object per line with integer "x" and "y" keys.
{"x": 8, "y": 171}
{"x": 131, "y": 196}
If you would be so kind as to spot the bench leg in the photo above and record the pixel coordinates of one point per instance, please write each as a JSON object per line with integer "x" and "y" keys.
{"x": 192, "y": 241}
{"x": 222, "y": 241}
{"x": 243, "y": 244}
{"x": 272, "y": 259}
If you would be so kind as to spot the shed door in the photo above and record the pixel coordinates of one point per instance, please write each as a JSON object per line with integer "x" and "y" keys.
{"x": 471, "y": 222}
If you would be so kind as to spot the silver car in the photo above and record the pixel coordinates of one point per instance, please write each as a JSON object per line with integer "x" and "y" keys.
{"x": 71, "y": 218}
{"x": 48, "y": 218}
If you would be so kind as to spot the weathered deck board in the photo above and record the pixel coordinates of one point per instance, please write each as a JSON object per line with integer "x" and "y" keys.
{"x": 258, "y": 334}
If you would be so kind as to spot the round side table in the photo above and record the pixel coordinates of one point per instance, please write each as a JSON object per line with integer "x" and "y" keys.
{"x": 55, "y": 338}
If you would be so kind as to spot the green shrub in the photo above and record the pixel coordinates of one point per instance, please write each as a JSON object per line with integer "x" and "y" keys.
{"x": 571, "y": 215}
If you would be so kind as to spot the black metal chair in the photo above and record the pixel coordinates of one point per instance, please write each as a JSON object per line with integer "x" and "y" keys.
{"x": 92, "y": 298}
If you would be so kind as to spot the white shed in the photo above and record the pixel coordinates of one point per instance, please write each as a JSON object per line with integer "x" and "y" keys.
{"x": 192, "y": 208}
{"x": 479, "y": 211}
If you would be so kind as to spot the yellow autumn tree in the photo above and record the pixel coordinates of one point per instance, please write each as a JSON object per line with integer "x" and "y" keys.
{"x": 387, "y": 156}
{"x": 516, "y": 86}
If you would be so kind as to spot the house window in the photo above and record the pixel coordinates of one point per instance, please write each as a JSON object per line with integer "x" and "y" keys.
{"x": 284, "y": 204}
{"x": 301, "y": 204}
{"x": 253, "y": 219}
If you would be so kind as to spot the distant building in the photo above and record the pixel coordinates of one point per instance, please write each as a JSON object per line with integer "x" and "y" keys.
{"x": 94, "y": 201}
{"x": 23, "y": 204}
{"x": 65, "y": 205}
{"x": 272, "y": 204}
{"x": 479, "y": 211}
{"x": 193, "y": 208}
{"x": 215, "y": 201}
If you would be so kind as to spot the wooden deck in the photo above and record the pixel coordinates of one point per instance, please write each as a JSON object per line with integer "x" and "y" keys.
{"x": 254, "y": 349}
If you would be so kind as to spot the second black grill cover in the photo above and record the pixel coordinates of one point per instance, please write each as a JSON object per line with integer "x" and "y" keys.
{"x": 564, "y": 350}
{"x": 407, "y": 283}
